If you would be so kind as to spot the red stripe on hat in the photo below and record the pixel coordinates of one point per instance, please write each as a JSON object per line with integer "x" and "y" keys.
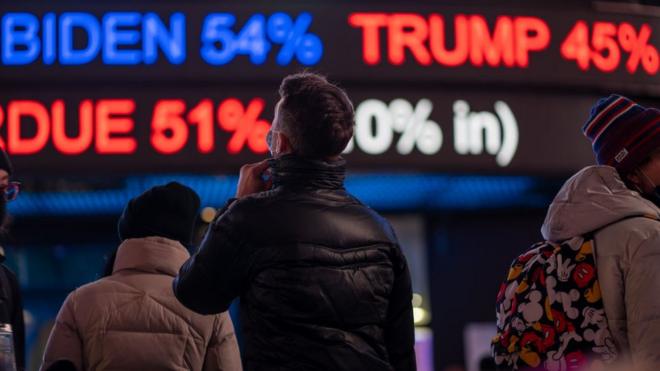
{"x": 608, "y": 152}
{"x": 639, "y": 145}
{"x": 641, "y": 133}
{"x": 603, "y": 112}
{"x": 618, "y": 114}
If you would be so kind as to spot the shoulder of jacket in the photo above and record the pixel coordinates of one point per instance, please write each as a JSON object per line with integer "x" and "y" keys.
{"x": 642, "y": 226}
{"x": 253, "y": 201}
{"x": 93, "y": 288}
{"x": 222, "y": 318}
{"x": 628, "y": 235}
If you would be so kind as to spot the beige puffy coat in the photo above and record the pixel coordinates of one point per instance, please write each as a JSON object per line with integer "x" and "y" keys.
{"x": 627, "y": 250}
{"x": 132, "y": 321}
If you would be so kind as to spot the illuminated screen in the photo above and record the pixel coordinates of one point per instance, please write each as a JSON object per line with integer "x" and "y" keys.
{"x": 192, "y": 87}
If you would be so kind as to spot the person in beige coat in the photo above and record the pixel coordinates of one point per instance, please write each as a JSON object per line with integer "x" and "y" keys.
{"x": 130, "y": 319}
{"x": 619, "y": 201}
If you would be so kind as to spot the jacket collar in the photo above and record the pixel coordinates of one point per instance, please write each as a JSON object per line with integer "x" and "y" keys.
{"x": 157, "y": 255}
{"x": 293, "y": 171}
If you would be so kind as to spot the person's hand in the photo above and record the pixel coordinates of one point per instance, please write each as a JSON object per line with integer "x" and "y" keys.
{"x": 250, "y": 180}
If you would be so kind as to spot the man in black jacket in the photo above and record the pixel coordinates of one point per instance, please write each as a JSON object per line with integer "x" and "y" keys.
{"x": 322, "y": 280}
{"x": 11, "y": 305}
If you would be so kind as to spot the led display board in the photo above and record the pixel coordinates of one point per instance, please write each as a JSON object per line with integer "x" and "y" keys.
{"x": 171, "y": 87}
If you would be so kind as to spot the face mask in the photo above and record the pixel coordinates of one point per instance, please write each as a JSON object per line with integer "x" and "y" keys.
{"x": 271, "y": 143}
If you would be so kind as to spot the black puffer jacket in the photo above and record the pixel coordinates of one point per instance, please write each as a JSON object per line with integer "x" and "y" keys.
{"x": 322, "y": 281}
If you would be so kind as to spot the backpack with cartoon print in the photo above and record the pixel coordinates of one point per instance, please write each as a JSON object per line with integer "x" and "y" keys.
{"x": 550, "y": 313}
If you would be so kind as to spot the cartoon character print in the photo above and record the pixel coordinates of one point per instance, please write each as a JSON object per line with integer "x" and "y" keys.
{"x": 532, "y": 310}
{"x": 583, "y": 274}
{"x": 565, "y": 298}
{"x": 548, "y": 336}
{"x": 560, "y": 322}
{"x": 604, "y": 344}
{"x": 562, "y": 266}
{"x": 571, "y": 361}
{"x": 601, "y": 336}
{"x": 593, "y": 294}
{"x": 538, "y": 276}
{"x": 508, "y": 304}
{"x": 586, "y": 249}
{"x": 550, "y": 312}
{"x": 557, "y": 360}
{"x": 593, "y": 316}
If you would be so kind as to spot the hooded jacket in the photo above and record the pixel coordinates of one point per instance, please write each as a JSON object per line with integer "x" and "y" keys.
{"x": 322, "y": 281}
{"x": 627, "y": 252}
{"x": 132, "y": 321}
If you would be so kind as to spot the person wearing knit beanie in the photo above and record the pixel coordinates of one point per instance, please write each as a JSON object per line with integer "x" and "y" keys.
{"x": 626, "y": 136}
{"x": 166, "y": 211}
{"x": 131, "y": 315}
{"x": 610, "y": 212}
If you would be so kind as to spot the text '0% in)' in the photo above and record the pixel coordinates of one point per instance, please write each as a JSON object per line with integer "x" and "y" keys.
{"x": 171, "y": 120}
{"x": 376, "y": 123}
{"x": 220, "y": 44}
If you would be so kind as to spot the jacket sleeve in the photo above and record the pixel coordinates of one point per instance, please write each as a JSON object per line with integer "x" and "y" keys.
{"x": 209, "y": 281}
{"x": 642, "y": 284}
{"x": 222, "y": 353}
{"x": 400, "y": 329}
{"x": 64, "y": 342}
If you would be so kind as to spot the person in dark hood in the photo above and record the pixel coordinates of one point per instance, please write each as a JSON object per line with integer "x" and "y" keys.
{"x": 11, "y": 304}
{"x": 618, "y": 200}
{"x": 321, "y": 277}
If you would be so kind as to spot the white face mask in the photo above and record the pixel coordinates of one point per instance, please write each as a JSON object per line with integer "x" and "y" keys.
{"x": 272, "y": 143}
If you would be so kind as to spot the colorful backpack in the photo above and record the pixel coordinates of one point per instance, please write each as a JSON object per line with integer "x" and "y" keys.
{"x": 550, "y": 313}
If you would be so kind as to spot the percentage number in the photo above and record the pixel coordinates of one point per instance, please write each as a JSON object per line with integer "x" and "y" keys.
{"x": 245, "y": 124}
{"x": 607, "y": 42}
{"x": 220, "y": 45}
{"x": 376, "y": 123}
{"x": 170, "y": 125}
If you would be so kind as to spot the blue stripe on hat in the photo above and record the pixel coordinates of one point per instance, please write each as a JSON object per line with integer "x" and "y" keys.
{"x": 607, "y": 118}
{"x": 629, "y": 116}
{"x": 603, "y": 113}
{"x": 597, "y": 109}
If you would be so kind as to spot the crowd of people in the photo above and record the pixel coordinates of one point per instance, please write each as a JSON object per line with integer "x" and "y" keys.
{"x": 322, "y": 281}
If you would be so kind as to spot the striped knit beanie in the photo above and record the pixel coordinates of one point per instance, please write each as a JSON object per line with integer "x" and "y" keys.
{"x": 623, "y": 133}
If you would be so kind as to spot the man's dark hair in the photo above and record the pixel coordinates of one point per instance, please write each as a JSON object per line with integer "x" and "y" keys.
{"x": 316, "y": 115}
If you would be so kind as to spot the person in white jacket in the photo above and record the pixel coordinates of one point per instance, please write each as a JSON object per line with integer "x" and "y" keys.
{"x": 130, "y": 319}
{"x": 618, "y": 199}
